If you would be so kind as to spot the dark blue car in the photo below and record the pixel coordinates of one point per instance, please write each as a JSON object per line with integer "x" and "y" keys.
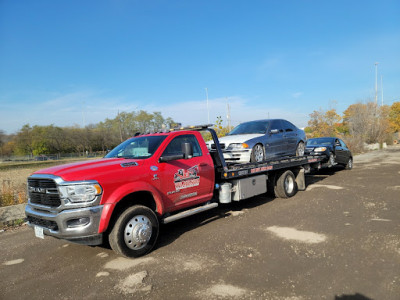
{"x": 334, "y": 149}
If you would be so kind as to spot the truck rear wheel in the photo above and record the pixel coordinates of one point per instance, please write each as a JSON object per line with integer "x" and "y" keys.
{"x": 135, "y": 232}
{"x": 285, "y": 185}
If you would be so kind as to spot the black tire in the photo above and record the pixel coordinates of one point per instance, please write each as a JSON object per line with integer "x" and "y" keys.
{"x": 135, "y": 232}
{"x": 257, "y": 154}
{"x": 349, "y": 164}
{"x": 332, "y": 160}
{"x": 285, "y": 185}
{"x": 300, "y": 149}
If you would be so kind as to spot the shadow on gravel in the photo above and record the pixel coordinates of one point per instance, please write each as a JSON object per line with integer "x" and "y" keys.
{"x": 356, "y": 296}
{"x": 317, "y": 176}
{"x": 172, "y": 231}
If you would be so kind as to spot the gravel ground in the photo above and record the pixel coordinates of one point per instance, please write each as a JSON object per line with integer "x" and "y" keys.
{"x": 339, "y": 239}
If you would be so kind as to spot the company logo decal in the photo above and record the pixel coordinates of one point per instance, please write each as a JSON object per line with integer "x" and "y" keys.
{"x": 184, "y": 179}
{"x": 37, "y": 190}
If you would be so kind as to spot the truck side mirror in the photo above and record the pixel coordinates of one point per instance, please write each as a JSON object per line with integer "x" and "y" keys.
{"x": 187, "y": 150}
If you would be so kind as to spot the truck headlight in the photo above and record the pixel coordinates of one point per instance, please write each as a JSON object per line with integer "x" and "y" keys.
{"x": 320, "y": 149}
{"x": 78, "y": 193}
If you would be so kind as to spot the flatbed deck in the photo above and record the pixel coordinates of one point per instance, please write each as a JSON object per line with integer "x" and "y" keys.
{"x": 241, "y": 170}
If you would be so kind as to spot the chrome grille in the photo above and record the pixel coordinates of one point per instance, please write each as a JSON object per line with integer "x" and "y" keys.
{"x": 43, "y": 192}
{"x": 222, "y": 145}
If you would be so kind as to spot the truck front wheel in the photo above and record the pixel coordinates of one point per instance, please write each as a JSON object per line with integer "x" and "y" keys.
{"x": 135, "y": 232}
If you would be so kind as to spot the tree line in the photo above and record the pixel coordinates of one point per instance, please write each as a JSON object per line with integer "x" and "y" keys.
{"x": 103, "y": 136}
{"x": 362, "y": 122}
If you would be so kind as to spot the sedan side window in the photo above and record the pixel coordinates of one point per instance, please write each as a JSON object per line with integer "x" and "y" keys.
{"x": 289, "y": 127}
{"x": 343, "y": 144}
{"x": 276, "y": 124}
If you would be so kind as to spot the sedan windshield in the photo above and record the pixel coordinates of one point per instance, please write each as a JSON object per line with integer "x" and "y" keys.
{"x": 250, "y": 127}
{"x": 139, "y": 147}
{"x": 320, "y": 141}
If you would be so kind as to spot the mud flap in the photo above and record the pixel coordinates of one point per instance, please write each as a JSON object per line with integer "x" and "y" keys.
{"x": 300, "y": 179}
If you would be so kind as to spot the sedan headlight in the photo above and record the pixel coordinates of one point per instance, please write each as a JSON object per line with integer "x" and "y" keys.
{"x": 237, "y": 146}
{"x": 80, "y": 192}
{"x": 320, "y": 149}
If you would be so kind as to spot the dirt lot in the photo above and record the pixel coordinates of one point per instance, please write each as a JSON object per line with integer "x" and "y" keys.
{"x": 339, "y": 239}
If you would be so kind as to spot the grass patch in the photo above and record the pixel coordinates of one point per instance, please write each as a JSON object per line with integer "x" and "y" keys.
{"x": 12, "y": 224}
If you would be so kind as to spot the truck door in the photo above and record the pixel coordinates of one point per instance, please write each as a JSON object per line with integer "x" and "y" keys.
{"x": 186, "y": 182}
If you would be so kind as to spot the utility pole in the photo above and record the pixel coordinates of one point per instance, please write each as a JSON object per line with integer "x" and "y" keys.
{"x": 376, "y": 83}
{"x": 208, "y": 110}
{"x": 228, "y": 114}
{"x": 382, "y": 89}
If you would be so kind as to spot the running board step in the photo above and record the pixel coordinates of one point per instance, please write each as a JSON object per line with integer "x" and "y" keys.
{"x": 189, "y": 212}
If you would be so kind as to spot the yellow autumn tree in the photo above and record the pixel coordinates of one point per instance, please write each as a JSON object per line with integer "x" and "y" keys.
{"x": 323, "y": 123}
{"x": 394, "y": 117}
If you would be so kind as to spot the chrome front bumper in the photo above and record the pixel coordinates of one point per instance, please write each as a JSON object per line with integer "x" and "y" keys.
{"x": 239, "y": 156}
{"x": 78, "y": 225}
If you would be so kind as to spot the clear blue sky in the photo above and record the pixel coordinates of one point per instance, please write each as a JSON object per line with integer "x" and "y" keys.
{"x": 79, "y": 62}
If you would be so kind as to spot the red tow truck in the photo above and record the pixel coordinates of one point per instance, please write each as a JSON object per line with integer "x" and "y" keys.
{"x": 148, "y": 180}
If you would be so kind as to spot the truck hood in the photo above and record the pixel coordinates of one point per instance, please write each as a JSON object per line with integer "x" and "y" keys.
{"x": 238, "y": 138}
{"x": 92, "y": 169}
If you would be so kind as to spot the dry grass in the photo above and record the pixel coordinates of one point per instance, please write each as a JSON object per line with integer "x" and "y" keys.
{"x": 13, "y": 180}
{"x": 13, "y": 185}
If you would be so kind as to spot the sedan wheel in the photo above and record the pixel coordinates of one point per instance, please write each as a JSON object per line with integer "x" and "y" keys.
{"x": 349, "y": 164}
{"x": 300, "y": 149}
{"x": 332, "y": 161}
{"x": 257, "y": 154}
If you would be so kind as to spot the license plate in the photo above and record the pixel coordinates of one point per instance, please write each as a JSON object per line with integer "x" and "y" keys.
{"x": 39, "y": 232}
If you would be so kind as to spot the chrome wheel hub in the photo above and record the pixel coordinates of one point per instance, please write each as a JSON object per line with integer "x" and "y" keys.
{"x": 258, "y": 153}
{"x": 300, "y": 149}
{"x": 289, "y": 184}
{"x": 137, "y": 232}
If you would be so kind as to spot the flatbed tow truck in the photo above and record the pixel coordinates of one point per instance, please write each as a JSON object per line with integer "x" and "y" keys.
{"x": 147, "y": 180}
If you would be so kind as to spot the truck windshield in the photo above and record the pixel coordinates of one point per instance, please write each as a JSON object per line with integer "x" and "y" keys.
{"x": 250, "y": 127}
{"x": 138, "y": 147}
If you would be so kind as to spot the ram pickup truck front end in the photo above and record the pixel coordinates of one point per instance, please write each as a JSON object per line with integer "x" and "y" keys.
{"x": 68, "y": 210}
